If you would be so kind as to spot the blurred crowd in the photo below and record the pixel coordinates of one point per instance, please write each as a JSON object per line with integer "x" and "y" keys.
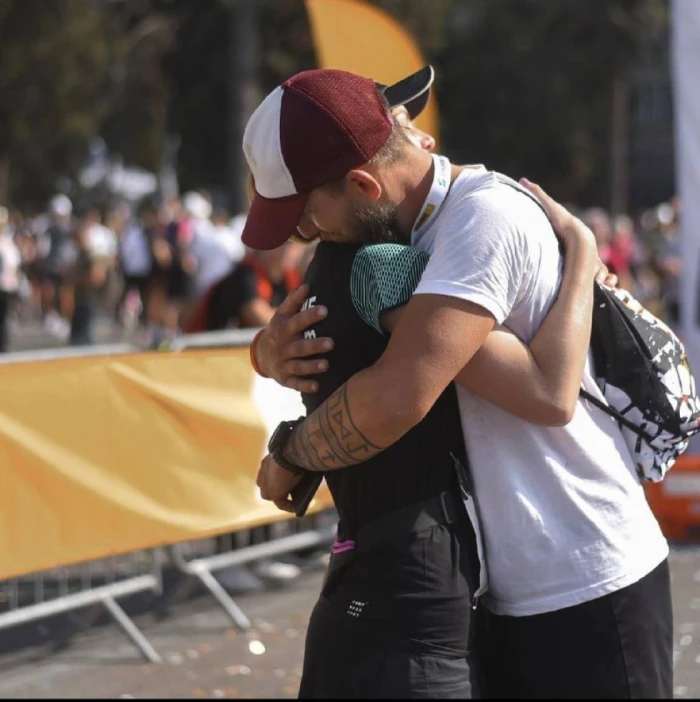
{"x": 145, "y": 267}
{"x": 165, "y": 268}
{"x": 644, "y": 253}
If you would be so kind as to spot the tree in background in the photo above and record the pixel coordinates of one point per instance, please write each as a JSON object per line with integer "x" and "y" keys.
{"x": 55, "y": 57}
{"x": 525, "y": 86}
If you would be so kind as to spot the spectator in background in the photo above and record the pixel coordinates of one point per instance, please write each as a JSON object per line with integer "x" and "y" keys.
{"x": 182, "y": 263}
{"x": 211, "y": 258}
{"x": 622, "y": 252}
{"x": 248, "y": 296}
{"x": 136, "y": 260}
{"x": 229, "y": 236}
{"x": 30, "y": 280}
{"x": 159, "y": 225}
{"x": 670, "y": 261}
{"x": 89, "y": 274}
{"x": 58, "y": 255}
{"x": 10, "y": 269}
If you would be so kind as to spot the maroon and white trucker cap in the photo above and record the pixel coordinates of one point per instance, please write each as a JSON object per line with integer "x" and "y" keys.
{"x": 308, "y": 132}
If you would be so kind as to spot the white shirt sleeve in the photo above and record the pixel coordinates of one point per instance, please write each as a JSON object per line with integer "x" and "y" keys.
{"x": 479, "y": 255}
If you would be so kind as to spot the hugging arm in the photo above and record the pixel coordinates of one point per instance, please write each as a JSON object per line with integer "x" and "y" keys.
{"x": 434, "y": 340}
{"x": 538, "y": 382}
{"x": 433, "y": 343}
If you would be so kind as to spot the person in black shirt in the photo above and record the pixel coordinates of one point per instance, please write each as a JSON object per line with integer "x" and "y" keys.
{"x": 248, "y": 295}
{"x": 393, "y": 619}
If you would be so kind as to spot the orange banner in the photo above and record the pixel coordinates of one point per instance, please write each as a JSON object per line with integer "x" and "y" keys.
{"x": 108, "y": 455}
{"x": 358, "y": 37}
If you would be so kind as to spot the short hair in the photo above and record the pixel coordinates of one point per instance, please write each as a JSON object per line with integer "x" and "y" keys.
{"x": 393, "y": 148}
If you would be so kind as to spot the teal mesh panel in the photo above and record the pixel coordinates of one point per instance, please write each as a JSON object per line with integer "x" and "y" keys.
{"x": 384, "y": 276}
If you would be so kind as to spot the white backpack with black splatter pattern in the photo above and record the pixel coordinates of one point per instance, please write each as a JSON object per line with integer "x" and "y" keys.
{"x": 643, "y": 373}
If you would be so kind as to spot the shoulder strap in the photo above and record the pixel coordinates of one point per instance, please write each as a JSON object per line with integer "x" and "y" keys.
{"x": 616, "y": 415}
{"x": 505, "y": 180}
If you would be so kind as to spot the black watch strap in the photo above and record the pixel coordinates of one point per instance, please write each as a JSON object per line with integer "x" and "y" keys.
{"x": 278, "y": 443}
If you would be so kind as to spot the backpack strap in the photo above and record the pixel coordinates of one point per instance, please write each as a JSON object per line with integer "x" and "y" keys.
{"x": 582, "y": 393}
{"x": 616, "y": 415}
{"x": 505, "y": 180}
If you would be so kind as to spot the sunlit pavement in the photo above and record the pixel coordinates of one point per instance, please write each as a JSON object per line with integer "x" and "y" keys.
{"x": 204, "y": 656}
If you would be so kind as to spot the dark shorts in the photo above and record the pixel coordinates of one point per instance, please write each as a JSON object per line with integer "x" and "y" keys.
{"x": 396, "y": 622}
{"x": 619, "y": 646}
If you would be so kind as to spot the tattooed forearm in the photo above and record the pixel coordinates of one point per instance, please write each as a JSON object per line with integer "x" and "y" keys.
{"x": 329, "y": 438}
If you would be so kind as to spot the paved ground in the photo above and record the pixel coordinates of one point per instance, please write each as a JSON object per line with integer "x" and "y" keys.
{"x": 685, "y": 580}
{"x": 204, "y": 657}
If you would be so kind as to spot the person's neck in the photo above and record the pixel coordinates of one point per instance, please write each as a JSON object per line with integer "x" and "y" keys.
{"x": 414, "y": 188}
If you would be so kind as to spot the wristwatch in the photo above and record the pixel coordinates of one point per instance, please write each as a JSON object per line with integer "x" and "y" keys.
{"x": 278, "y": 442}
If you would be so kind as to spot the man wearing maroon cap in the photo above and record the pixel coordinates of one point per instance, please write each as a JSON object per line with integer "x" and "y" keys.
{"x": 577, "y": 563}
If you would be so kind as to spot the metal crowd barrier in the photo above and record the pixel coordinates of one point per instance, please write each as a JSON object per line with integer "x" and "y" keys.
{"x": 314, "y": 530}
{"x": 232, "y": 338}
{"x": 311, "y": 531}
{"x": 68, "y": 352}
{"x": 36, "y": 596}
{"x": 103, "y": 582}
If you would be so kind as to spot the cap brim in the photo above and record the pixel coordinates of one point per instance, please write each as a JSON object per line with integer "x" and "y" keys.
{"x": 271, "y": 222}
{"x": 413, "y": 92}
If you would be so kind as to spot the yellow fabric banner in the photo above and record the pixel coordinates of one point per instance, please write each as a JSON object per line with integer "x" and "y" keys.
{"x": 354, "y": 36}
{"x": 103, "y": 455}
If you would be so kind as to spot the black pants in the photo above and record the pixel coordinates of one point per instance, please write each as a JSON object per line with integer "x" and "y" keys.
{"x": 396, "y": 623}
{"x": 349, "y": 659}
{"x": 619, "y": 646}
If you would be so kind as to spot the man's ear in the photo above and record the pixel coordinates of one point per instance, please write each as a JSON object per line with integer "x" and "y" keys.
{"x": 362, "y": 185}
{"x": 425, "y": 140}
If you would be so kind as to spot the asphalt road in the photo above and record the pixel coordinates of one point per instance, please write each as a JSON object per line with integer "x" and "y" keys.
{"x": 205, "y": 657}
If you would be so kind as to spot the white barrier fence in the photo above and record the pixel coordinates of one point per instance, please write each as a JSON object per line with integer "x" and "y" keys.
{"x": 41, "y": 595}
{"x": 101, "y": 583}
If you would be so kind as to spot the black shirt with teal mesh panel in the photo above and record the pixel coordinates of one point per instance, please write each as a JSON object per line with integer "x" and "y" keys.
{"x": 358, "y": 284}
{"x": 394, "y": 620}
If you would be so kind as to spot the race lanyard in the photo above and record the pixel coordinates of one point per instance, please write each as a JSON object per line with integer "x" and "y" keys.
{"x": 436, "y": 196}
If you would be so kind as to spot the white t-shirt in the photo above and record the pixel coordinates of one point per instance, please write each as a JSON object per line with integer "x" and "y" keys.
{"x": 230, "y": 239}
{"x": 564, "y": 516}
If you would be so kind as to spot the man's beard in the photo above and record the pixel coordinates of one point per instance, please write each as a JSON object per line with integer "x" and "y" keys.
{"x": 378, "y": 224}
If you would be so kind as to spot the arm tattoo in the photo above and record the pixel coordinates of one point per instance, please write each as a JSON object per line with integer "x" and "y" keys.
{"x": 329, "y": 439}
